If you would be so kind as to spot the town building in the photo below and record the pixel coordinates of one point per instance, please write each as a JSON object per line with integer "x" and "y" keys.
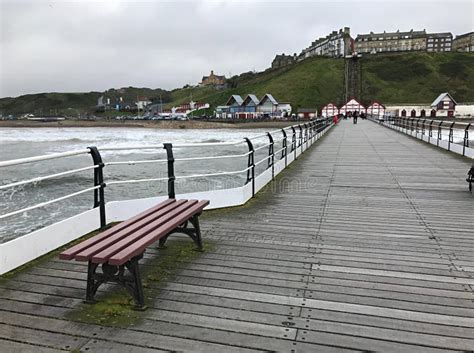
{"x": 353, "y": 105}
{"x": 284, "y": 110}
{"x": 334, "y": 45}
{"x": 267, "y": 105}
{"x": 222, "y": 112}
{"x": 376, "y": 109}
{"x": 439, "y": 42}
{"x": 444, "y": 105}
{"x": 234, "y": 104}
{"x": 307, "y": 113}
{"x": 213, "y": 80}
{"x": 283, "y": 60}
{"x": 330, "y": 109}
{"x": 142, "y": 103}
{"x": 391, "y": 42}
{"x": 464, "y": 42}
{"x": 251, "y": 107}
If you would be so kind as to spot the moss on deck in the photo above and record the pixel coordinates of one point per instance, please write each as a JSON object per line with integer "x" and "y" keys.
{"x": 115, "y": 308}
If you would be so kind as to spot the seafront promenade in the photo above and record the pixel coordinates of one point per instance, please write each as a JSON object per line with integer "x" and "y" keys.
{"x": 365, "y": 243}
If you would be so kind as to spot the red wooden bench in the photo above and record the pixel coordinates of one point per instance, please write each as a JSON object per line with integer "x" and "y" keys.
{"x": 122, "y": 246}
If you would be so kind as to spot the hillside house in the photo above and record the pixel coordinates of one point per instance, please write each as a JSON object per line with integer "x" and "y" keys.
{"x": 353, "y": 105}
{"x": 213, "y": 80}
{"x": 283, "y": 60}
{"x": 439, "y": 42}
{"x": 334, "y": 45}
{"x": 464, "y": 42}
{"x": 391, "y": 42}
{"x": 329, "y": 110}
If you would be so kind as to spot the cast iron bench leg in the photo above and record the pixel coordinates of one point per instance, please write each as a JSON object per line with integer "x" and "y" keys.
{"x": 92, "y": 283}
{"x": 110, "y": 273}
{"x": 193, "y": 232}
{"x": 135, "y": 286}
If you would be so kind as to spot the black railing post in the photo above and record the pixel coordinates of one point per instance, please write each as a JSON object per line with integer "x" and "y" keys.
{"x": 450, "y": 138}
{"x": 251, "y": 165}
{"x": 171, "y": 177}
{"x": 284, "y": 151}
{"x": 300, "y": 138}
{"x": 431, "y": 130}
{"x": 423, "y": 128}
{"x": 440, "y": 134}
{"x": 293, "y": 140}
{"x": 271, "y": 154}
{"x": 306, "y": 134}
{"x": 466, "y": 139}
{"x": 99, "y": 194}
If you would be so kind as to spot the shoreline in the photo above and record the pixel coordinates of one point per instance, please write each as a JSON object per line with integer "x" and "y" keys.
{"x": 158, "y": 124}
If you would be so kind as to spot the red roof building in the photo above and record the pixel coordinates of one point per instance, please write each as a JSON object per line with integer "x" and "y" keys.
{"x": 376, "y": 109}
{"x": 329, "y": 110}
{"x": 353, "y": 105}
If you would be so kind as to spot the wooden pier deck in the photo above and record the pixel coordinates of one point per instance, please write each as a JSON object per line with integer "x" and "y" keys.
{"x": 366, "y": 243}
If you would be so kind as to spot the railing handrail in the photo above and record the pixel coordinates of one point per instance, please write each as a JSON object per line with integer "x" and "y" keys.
{"x": 11, "y": 162}
{"x": 99, "y": 183}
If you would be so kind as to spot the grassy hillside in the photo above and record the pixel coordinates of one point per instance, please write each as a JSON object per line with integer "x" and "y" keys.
{"x": 396, "y": 78}
{"x": 310, "y": 83}
{"x": 417, "y": 77}
{"x": 73, "y": 103}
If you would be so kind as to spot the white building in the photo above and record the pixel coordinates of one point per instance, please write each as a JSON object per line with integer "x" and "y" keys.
{"x": 353, "y": 105}
{"x": 376, "y": 109}
{"x": 330, "y": 110}
{"x": 336, "y": 44}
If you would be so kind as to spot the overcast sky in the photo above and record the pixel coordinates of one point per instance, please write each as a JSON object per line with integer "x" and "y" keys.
{"x": 67, "y": 46}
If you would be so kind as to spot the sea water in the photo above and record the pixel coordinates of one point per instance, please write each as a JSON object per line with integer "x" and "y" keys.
{"x": 27, "y": 142}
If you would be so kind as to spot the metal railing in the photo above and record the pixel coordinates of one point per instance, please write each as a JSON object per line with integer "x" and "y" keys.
{"x": 429, "y": 127}
{"x": 292, "y": 138}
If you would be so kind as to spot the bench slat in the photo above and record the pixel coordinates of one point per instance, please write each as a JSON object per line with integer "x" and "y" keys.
{"x": 72, "y": 251}
{"x": 140, "y": 245}
{"x": 169, "y": 218}
{"x": 151, "y": 222}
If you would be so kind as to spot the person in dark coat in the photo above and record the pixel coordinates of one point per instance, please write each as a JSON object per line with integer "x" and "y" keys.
{"x": 356, "y": 113}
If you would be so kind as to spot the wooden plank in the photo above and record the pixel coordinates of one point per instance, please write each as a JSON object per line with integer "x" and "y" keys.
{"x": 366, "y": 246}
{"x": 141, "y": 227}
{"x": 161, "y": 207}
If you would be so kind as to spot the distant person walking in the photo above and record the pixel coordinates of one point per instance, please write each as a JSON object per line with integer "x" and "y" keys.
{"x": 335, "y": 120}
{"x": 356, "y": 113}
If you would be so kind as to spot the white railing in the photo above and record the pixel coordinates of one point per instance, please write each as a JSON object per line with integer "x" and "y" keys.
{"x": 23, "y": 249}
{"x": 453, "y": 136}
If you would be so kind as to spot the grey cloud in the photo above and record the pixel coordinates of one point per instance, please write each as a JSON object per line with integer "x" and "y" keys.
{"x": 70, "y": 46}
